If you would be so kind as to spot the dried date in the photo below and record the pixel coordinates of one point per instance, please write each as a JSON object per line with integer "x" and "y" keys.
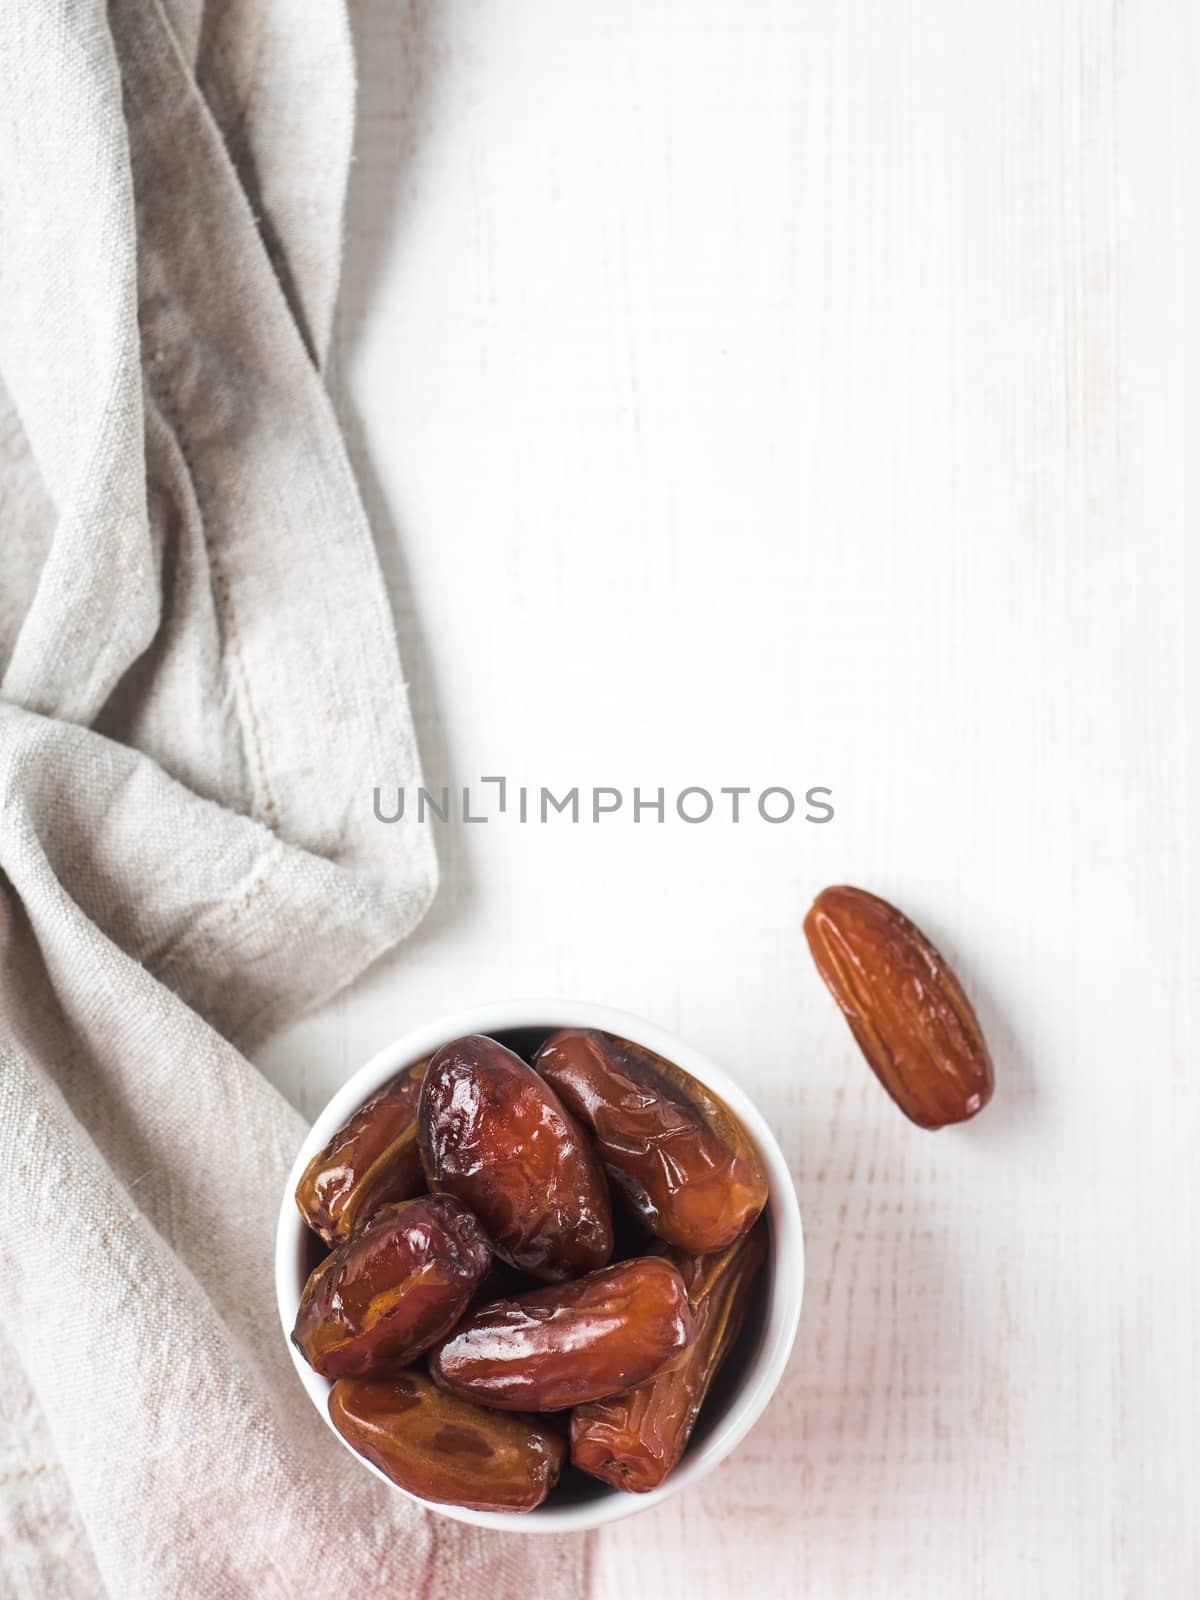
{"x": 906, "y": 1008}
{"x": 634, "y": 1439}
{"x": 392, "y": 1290}
{"x": 682, "y": 1161}
{"x": 445, "y": 1449}
{"x": 568, "y": 1344}
{"x": 371, "y": 1162}
{"x": 496, "y": 1135}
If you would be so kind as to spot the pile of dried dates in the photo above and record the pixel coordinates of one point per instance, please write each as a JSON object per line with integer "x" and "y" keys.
{"x": 468, "y": 1209}
{"x": 475, "y": 1297}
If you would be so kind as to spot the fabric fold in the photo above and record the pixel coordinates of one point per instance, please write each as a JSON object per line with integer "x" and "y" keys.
{"x": 200, "y": 688}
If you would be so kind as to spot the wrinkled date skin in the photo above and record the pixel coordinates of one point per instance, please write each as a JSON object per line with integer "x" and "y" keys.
{"x": 569, "y": 1344}
{"x": 633, "y": 1440}
{"x": 682, "y": 1162}
{"x": 371, "y": 1162}
{"x": 445, "y": 1449}
{"x": 904, "y": 1005}
{"x": 493, "y": 1133}
{"x": 394, "y": 1289}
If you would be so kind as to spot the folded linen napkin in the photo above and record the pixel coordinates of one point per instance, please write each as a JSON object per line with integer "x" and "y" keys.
{"x": 199, "y": 688}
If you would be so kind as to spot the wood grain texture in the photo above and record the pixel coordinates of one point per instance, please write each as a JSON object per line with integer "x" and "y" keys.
{"x": 770, "y": 394}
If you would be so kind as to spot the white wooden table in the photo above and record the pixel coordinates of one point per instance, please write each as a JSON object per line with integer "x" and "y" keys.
{"x": 793, "y": 394}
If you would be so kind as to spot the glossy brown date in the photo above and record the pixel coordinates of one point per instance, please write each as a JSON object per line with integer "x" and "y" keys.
{"x": 904, "y": 1005}
{"x": 681, "y": 1160}
{"x": 445, "y": 1449}
{"x": 574, "y": 1342}
{"x": 494, "y": 1134}
{"x": 371, "y": 1162}
{"x": 392, "y": 1290}
{"x": 634, "y": 1439}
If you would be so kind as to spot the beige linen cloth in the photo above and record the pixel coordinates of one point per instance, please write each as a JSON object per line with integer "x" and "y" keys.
{"x": 200, "y": 687}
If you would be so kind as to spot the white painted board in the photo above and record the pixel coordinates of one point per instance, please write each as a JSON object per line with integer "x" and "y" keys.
{"x": 805, "y": 394}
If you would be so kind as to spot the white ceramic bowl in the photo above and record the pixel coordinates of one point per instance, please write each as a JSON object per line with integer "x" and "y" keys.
{"x": 753, "y": 1370}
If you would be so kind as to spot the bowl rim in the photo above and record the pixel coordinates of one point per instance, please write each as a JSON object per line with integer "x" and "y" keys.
{"x": 785, "y": 1261}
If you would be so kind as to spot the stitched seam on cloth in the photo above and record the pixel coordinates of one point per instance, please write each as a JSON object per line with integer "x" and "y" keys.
{"x": 222, "y": 592}
{"x": 207, "y": 932}
{"x": 246, "y": 904}
{"x": 360, "y": 551}
{"x": 246, "y": 1034}
{"x": 203, "y": 934}
{"x": 368, "y": 557}
{"x": 236, "y": 140}
{"x": 223, "y": 589}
